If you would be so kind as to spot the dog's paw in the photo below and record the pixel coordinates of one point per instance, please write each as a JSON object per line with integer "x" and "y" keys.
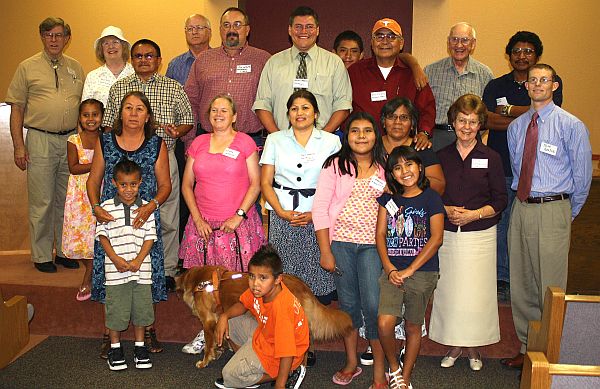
{"x": 202, "y": 363}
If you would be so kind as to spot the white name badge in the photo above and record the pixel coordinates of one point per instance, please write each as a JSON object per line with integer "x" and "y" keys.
{"x": 377, "y": 183}
{"x": 547, "y": 148}
{"x": 231, "y": 153}
{"x": 308, "y": 157}
{"x": 391, "y": 207}
{"x": 501, "y": 101}
{"x": 379, "y": 96}
{"x": 243, "y": 69}
{"x": 479, "y": 163}
{"x": 300, "y": 83}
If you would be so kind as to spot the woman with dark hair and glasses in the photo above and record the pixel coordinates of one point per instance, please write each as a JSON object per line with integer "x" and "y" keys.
{"x": 399, "y": 120}
{"x": 465, "y": 306}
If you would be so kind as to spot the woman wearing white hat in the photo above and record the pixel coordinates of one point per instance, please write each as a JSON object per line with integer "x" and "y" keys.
{"x": 112, "y": 49}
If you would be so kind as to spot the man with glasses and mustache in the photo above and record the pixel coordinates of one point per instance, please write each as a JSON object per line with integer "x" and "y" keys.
{"x": 454, "y": 76}
{"x": 384, "y": 76}
{"x": 233, "y": 68}
{"x": 506, "y": 99}
{"x": 44, "y": 97}
{"x": 303, "y": 66}
{"x": 174, "y": 118}
{"x": 551, "y": 160}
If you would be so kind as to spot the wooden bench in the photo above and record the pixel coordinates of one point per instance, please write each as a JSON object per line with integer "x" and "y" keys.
{"x": 563, "y": 349}
{"x": 14, "y": 328}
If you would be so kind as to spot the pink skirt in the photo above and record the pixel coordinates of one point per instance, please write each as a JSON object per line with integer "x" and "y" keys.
{"x": 221, "y": 248}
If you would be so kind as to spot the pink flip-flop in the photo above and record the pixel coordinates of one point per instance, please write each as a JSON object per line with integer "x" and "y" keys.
{"x": 83, "y": 294}
{"x": 341, "y": 378}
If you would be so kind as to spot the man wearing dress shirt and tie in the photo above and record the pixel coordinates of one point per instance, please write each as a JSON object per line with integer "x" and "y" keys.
{"x": 551, "y": 160}
{"x": 303, "y": 66}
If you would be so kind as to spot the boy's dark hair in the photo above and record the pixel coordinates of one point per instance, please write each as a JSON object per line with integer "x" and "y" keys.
{"x": 345, "y": 155}
{"x": 92, "y": 102}
{"x": 348, "y": 35}
{"x": 269, "y": 257}
{"x": 406, "y": 153}
{"x": 126, "y": 166}
{"x": 304, "y": 11}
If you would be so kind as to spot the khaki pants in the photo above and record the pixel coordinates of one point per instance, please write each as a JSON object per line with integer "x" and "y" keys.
{"x": 244, "y": 367}
{"x": 169, "y": 219}
{"x": 539, "y": 236}
{"x": 47, "y": 178}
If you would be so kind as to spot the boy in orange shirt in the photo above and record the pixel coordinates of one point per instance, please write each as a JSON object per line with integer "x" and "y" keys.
{"x": 273, "y": 345}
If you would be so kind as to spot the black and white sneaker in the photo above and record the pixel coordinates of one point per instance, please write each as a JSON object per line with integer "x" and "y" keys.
{"x": 220, "y": 383}
{"x": 401, "y": 359}
{"x": 116, "y": 359}
{"x": 366, "y": 358}
{"x": 141, "y": 357}
{"x": 296, "y": 377}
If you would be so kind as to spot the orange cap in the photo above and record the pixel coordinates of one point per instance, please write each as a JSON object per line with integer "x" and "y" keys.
{"x": 388, "y": 23}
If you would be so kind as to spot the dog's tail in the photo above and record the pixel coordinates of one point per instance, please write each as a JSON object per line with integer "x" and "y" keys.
{"x": 325, "y": 323}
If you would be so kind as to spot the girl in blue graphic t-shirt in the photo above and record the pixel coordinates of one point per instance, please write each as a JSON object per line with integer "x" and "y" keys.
{"x": 410, "y": 226}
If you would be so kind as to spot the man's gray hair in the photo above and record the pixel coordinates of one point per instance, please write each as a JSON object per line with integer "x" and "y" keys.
{"x": 51, "y": 22}
{"x": 473, "y": 33}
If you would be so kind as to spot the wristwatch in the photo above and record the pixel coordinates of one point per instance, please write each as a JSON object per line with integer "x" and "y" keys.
{"x": 240, "y": 212}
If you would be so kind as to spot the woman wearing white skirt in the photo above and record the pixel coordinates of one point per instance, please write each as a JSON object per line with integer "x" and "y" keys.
{"x": 465, "y": 308}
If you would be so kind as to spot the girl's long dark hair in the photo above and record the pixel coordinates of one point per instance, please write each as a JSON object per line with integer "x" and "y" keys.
{"x": 406, "y": 153}
{"x": 346, "y": 163}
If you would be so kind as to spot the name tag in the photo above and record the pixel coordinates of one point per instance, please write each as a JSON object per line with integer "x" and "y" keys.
{"x": 308, "y": 157}
{"x": 243, "y": 69}
{"x": 300, "y": 83}
{"x": 379, "y": 96}
{"x": 377, "y": 183}
{"x": 479, "y": 163}
{"x": 501, "y": 101}
{"x": 391, "y": 207}
{"x": 547, "y": 148}
{"x": 231, "y": 153}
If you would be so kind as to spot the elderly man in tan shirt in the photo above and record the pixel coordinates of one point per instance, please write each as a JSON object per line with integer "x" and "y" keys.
{"x": 44, "y": 96}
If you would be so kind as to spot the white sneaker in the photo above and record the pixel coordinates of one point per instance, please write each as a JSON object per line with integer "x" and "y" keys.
{"x": 366, "y": 358}
{"x": 196, "y": 346}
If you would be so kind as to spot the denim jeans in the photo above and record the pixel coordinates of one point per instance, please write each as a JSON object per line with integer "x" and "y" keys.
{"x": 357, "y": 286}
{"x": 502, "y": 264}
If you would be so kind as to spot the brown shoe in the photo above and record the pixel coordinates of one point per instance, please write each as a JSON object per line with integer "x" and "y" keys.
{"x": 515, "y": 362}
{"x": 105, "y": 348}
{"x": 152, "y": 343}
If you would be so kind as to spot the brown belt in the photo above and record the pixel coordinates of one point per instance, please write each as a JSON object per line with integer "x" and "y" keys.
{"x": 546, "y": 199}
{"x": 65, "y": 132}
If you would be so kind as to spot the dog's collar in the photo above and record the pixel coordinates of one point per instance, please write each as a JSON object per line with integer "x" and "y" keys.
{"x": 212, "y": 286}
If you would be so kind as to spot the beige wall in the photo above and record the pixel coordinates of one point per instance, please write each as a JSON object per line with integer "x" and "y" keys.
{"x": 568, "y": 29}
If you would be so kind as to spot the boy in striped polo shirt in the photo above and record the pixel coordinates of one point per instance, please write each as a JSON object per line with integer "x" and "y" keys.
{"x": 127, "y": 266}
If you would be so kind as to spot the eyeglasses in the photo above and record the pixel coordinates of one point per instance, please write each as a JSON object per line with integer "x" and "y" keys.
{"x": 50, "y": 35}
{"x": 114, "y": 42}
{"x": 379, "y": 37}
{"x": 196, "y": 28}
{"x": 148, "y": 56}
{"x": 471, "y": 123}
{"x": 234, "y": 25}
{"x": 543, "y": 80}
{"x": 393, "y": 117}
{"x": 455, "y": 40}
{"x": 526, "y": 51}
{"x": 310, "y": 28}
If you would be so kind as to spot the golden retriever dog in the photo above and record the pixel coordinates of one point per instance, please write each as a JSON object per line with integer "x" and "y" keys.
{"x": 210, "y": 290}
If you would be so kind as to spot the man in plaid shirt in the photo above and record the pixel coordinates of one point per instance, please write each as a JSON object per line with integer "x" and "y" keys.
{"x": 173, "y": 115}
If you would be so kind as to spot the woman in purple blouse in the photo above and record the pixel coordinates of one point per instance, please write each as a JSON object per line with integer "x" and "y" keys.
{"x": 465, "y": 308}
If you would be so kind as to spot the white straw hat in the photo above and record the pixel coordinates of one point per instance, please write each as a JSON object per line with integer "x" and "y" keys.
{"x": 108, "y": 31}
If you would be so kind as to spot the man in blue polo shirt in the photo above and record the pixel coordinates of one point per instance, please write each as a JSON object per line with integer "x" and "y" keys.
{"x": 506, "y": 98}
